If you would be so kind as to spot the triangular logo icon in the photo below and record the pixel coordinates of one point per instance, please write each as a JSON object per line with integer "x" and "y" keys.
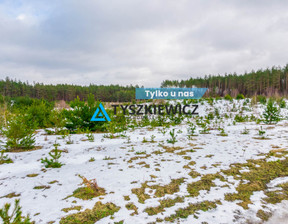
{"x": 100, "y": 114}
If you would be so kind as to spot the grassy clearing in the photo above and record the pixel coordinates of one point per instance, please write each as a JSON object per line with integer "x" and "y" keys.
{"x": 90, "y": 216}
{"x": 260, "y": 174}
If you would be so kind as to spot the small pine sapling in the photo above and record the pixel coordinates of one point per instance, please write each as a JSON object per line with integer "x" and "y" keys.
{"x": 69, "y": 141}
{"x": 205, "y": 129}
{"x": 261, "y": 132}
{"x": 144, "y": 140}
{"x": 272, "y": 113}
{"x": 92, "y": 159}
{"x": 90, "y": 137}
{"x": 55, "y": 154}
{"x": 153, "y": 138}
{"x": 4, "y": 158}
{"x": 192, "y": 130}
{"x": 16, "y": 216}
{"x": 222, "y": 132}
{"x": 245, "y": 131}
{"x": 163, "y": 131}
{"x": 19, "y": 134}
{"x": 282, "y": 103}
{"x": 173, "y": 136}
{"x": 128, "y": 140}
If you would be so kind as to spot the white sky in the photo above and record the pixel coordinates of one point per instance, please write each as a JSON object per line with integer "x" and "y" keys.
{"x": 139, "y": 42}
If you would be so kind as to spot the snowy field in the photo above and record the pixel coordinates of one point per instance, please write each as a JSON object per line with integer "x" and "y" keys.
{"x": 138, "y": 171}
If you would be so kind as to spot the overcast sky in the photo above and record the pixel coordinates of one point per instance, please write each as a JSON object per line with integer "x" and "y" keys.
{"x": 139, "y": 42}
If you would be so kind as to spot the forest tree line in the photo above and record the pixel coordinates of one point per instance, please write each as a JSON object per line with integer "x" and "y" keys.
{"x": 269, "y": 82}
{"x": 110, "y": 93}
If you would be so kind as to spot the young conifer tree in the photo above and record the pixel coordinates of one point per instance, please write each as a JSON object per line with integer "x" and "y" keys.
{"x": 272, "y": 113}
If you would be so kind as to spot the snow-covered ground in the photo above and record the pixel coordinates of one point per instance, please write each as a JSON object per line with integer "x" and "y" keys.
{"x": 118, "y": 175}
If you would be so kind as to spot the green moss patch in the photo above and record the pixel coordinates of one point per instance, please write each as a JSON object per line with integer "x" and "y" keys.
{"x": 192, "y": 209}
{"x": 160, "y": 191}
{"x": 140, "y": 193}
{"x": 44, "y": 187}
{"x": 32, "y": 175}
{"x": 274, "y": 197}
{"x": 194, "y": 174}
{"x": 264, "y": 216}
{"x": 171, "y": 149}
{"x": 90, "y": 216}
{"x": 78, "y": 208}
{"x": 11, "y": 195}
{"x": 126, "y": 197}
{"x": 137, "y": 157}
{"x": 7, "y": 160}
{"x": 165, "y": 203}
{"x": 170, "y": 188}
{"x": 131, "y": 206}
{"x": 205, "y": 183}
{"x": 86, "y": 193}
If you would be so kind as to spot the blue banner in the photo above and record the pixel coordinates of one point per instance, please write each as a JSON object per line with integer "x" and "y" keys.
{"x": 169, "y": 93}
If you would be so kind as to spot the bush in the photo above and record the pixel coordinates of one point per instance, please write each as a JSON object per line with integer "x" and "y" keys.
{"x": 79, "y": 117}
{"x": 261, "y": 99}
{"x": 282, "y": 103}
{"x": 20, "y": 102}
{"x": 240, "y": 96}
{"x": 19, "y": 134}
{"x": 272, "y": 113}
{"x": 39, "y": 112}
{"x": 228, "y": 97}
{"x": 57, "y": 120}
{"x": 16, "y": 215}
